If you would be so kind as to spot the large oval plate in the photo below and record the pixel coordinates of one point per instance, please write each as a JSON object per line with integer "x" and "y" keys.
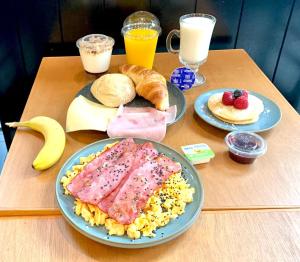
{"x": 268, "y": 119}
{"x": 163, "y": 234}
{"x": 176, "y": 97}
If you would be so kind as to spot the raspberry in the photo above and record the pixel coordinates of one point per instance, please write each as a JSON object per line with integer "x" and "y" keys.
{"x": 245, "y": 93}
{"x": 241, "y": 102}
{"x": 227, "y": 98}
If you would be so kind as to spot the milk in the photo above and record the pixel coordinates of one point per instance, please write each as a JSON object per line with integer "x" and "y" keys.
{"x": 195, "y": 35}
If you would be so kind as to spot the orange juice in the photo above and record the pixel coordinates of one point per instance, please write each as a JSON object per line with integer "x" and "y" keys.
{"x": 140, "y": 45}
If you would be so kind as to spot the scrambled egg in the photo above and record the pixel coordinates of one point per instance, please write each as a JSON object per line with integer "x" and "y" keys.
{"x": 164, "y": 205}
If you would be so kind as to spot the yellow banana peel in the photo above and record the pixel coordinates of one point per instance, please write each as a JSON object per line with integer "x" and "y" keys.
{"x": 55, "y": 140}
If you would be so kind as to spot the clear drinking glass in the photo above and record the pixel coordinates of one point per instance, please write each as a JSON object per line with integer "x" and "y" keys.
{"x": 195, "y": 35}
{"x": 141, "y": 30}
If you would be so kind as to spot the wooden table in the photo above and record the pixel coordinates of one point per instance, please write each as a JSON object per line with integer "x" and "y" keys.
{"x": 246, "y": 207}
{"x": 216, "y": 236}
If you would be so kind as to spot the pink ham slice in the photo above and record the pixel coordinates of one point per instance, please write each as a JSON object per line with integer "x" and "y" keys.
{"x": 147, "y": 123}
{"x": 170, "y": 113}
{"x": 111, "y": 155}
{"x": 144, "y": 153}
{"x": 140, "y": 185}
{"x": 107, "y": 178}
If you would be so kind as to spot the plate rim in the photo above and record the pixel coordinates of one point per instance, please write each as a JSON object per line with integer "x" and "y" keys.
{"x": 234, "y": 129}
{"x": 130, "y": 245}
{"x": 178, "y": 117}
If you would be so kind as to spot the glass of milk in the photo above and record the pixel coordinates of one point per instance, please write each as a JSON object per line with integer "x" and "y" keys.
{"x": 95, "y": 52}
{"x": 195, "y": 35}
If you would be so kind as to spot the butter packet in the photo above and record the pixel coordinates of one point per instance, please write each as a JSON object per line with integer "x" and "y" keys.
{"x": 183, "y": 78}
{"x": 198, "y": 153}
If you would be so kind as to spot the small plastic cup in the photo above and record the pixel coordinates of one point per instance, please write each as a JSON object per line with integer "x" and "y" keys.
{"x": 140, "y": 31}
{"x": 245, "y": 147}
{"x": 95, "y": 52}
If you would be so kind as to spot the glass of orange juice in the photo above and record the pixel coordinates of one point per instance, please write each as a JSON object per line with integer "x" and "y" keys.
{"x": 141, "y": 31}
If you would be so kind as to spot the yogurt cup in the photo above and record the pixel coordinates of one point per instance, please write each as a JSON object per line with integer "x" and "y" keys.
{"x": 95, "y": 52}
{"x": 245, "y": 147}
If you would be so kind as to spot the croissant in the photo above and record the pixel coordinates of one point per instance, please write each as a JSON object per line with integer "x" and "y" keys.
{"x": 148, "y": 84}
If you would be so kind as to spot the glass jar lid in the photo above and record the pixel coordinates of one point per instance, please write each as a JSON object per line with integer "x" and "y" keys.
{"x": 246, "y": 144}
{"x": 141, "y": 17}
{"x": 142, "y": 20}
{"x": 95, "y": 42}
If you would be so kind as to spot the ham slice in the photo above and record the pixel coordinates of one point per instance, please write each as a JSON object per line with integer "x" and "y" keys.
{"x": 146, "y": 122}
{"x": 140, "y": 185}
{"x": 85, "y": 177}
{"x": 108, "y": 176}
{"x": 170, "y": 113}
{"x": 145, "y": 153}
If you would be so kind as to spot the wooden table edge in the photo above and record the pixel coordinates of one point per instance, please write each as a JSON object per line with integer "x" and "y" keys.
{"x": 38, "y": 214}
{"x": 29, "y": 212}
{"x": 55, "y": 212}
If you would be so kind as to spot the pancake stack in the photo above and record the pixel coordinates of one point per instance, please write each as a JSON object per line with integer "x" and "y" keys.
{"x": 232, "y": 115}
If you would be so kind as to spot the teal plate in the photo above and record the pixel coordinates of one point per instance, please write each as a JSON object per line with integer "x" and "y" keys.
{"x": 176, "y": 97}
{"x": 268, "y": 119}
{"x": 163, "y": 234}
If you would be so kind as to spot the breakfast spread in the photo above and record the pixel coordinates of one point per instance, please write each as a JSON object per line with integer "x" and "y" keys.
{"x": 128, "y": 187}
{"x": 149, "y": 84}
{"x": 245, "y": 147}
{"x": 141, "y": 122}
{"x": 238, "y": 107}
{"x": 113, "y": 90}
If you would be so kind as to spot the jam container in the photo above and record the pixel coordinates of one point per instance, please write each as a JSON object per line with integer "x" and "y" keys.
{"x": 245, "y": 147}
{"x": 95, "y": 52}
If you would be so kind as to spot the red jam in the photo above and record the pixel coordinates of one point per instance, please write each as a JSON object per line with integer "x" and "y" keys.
{"x": 241, "y": 159}
{"x": 245, "y": 147}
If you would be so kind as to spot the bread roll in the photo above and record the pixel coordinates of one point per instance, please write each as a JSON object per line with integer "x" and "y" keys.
{"x": 149, "y": 84}
{"x": 113, "y": 90}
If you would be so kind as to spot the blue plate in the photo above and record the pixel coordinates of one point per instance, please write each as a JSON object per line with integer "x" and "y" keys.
{"x": 163, "y": 234}
{"x": 176, "y": 97}
{"x": 269, "y": 118}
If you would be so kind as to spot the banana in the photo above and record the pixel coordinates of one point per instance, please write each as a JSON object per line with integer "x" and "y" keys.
{"x": 55, "y": 140}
